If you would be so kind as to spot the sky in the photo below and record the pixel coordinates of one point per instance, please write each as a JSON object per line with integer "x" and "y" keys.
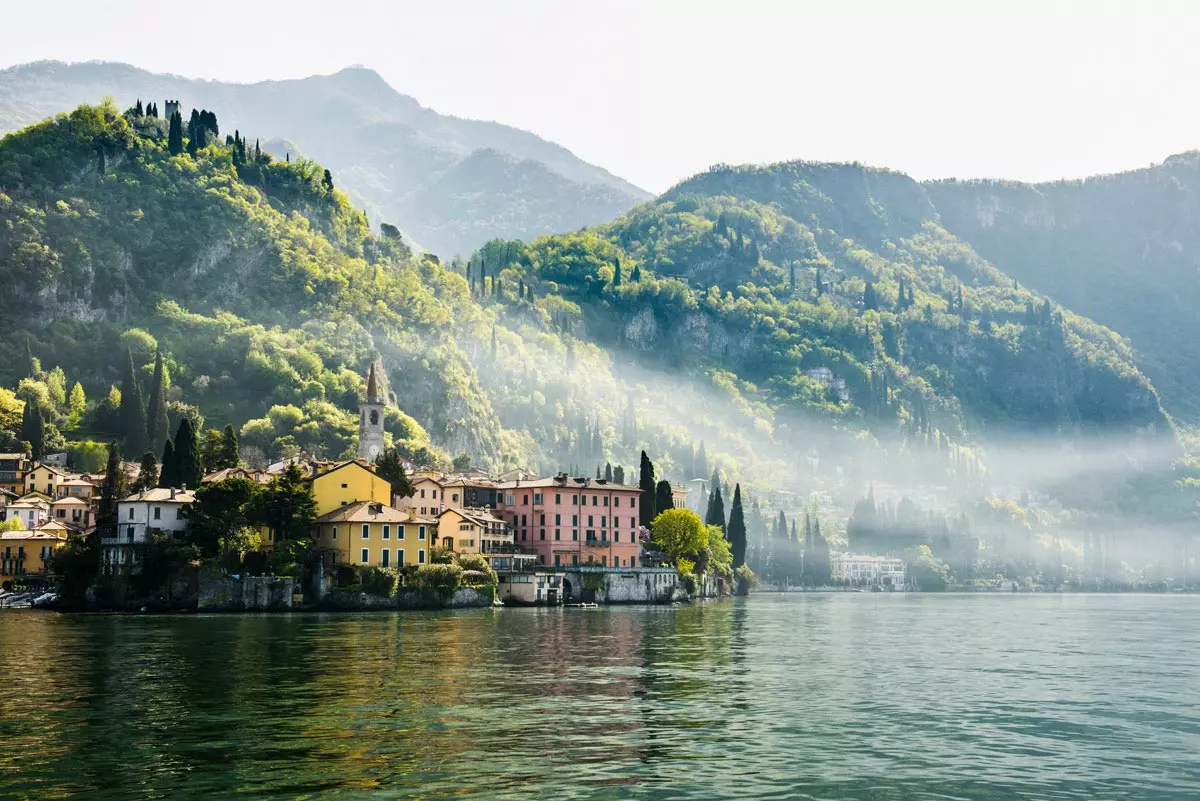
{"x": 658, "y": 90}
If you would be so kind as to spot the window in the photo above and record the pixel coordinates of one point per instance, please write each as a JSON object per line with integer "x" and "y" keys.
{"x": 633, "y": 522}
{"x": 335, "y": 532}
{"x": 595, "y": 500}
{"x": 130, "y": 514}
{"x": 399, "y": 558}
{"x": 420, "y": 556}
{"x": 523, "y": 535}
{"x": 422, "y": 492}
{"x": 344, "y": 486}
{"x": 632, "y": 502}
{"x": 606, "y": 500}
{"x": 557, "y": 534}
{"x": 509, "y": 500}
{"x": 574, "y": 558}
{"x": 366, "y": 529}
{"x": 617, "y": 501}
{"x": 558, "y": 520}
{"x": 574, "y": 535}
{"x": 387, "y": 532}
{"x": 603, "y": 521}
{"x": 454, "y": 497}
{"x": 558, "y": 497}
{"x": 542, "y": 534}
{"x": 366, "y": 555}
{"x": 575, "y": 499}
{"x": 616, "y": 536}
{"x": 537, "y": 497}
{"x": 616, "y": 521}
{"x": 523, "y": 520}
{"x": 524, "y": 500}
{"x": 178, "y": 512}
{"x": 420, "y": 532}
{"x": 62, "y": 512}
{"x": 603, "y": 561}
{"x": 590, "y": 523}
{"x": 158, "y": 513}
{"x": 556, "y": 561}
{"x": 574, "y": 520}
{"x": 385, "y": 558}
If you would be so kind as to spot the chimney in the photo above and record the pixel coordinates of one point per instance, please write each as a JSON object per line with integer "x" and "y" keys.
{"x": 172, "y": 493}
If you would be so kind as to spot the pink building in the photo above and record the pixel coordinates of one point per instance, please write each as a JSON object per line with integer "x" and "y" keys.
{"x": 573, "y": 521}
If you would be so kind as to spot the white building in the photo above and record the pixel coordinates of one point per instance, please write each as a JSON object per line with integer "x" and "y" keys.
{"x": 864, "y": 569}
{"x": 139, "y": 517}
{"x": 32, "y": 510}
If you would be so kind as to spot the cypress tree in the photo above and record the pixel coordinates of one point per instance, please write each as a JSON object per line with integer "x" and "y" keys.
{"x": 147, "y": 474}
{"x": 701, "y": 462}
{"x": 647, "y": 485}
{"x": 175, "y": 135}
{"x": 736, "y": 532}
{"x": 715, "y": 483}
{"x": 636, "y": 275}
{"x": 662, "y": 497}
{"x": 33, "y": 428}
{"x": 616, "y": 271}
{"x": 618, "y": 475}
{"x": 31, "y": 363}
{"x": 188, "y": 464}
{"x": 327, "y": 181}
{"x": 716, "y": 508}
{"x": 111, "y": 491}
{"x": 230, "y": 457}
{"x": 608, "y": 472}
{"x": 168, "y": 475}
{"x": 133, "y": 411}
{"x": 157, "y": 426}
{"x": 138, "y": 108}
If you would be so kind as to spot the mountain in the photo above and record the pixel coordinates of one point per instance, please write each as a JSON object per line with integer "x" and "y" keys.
{"x": 1123, "y": 249}
{"x": 395, "y": 158}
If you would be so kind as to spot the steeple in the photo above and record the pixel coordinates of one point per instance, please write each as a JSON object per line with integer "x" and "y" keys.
{"x": 372, "y": 388}
{"x": 370, "y": 421}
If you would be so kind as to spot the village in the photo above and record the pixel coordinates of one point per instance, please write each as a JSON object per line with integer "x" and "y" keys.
{"x": 538, "y": 535}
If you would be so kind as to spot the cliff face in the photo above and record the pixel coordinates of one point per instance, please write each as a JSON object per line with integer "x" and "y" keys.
{"x": 1122, "y": 249}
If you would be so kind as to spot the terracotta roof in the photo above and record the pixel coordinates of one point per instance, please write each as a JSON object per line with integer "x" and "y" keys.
{"x": 371, "y": 512}
{"x": 476, "y": 514}
{"x": 49, "y": 467}
{"x": 26, "y": 534}
{"x": 69, "y": 500}
{"x": 161, "y": 494}
{"x": 573, "y": 483}
{"x": 76, "y": 481}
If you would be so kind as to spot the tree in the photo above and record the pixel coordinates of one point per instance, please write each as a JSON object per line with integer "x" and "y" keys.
{"x": 189, "y": 468}
{"x": 663, "y": 499}
{"x": 287, "y": 506}
{"x": 221, "y": 512}
{"x": 929, "y": 572}
{"x": 33, "y": 428}
{"x": 462, "y": 462}
{"x": 158, "y": 427}
{"x": 616, "y": 271}
{"x": 390, "y": 468}
{"x": 608, "y": 472}
{"x": 147, "y": 474}
{"x": 636, "y": 275}
{"x": 647, "y": 485}
{"x": 138, "y": 110}
{"x": 718, "y": 557}
{"x": 618, "y": 475}
{"x": 111, "y": 491}
{"x": 76, "y": 406}
{"x": 737, "y": 528}
{"x": 229, "y": 455}
{"x": 133, "y": 411}
{"x": 168, "y": 476}
{"x": 175, "y": 135}
{"x": 715, "y": 516}
{"x": 327, "y": 182}
{"x": 679, "y": 533}
{"x": 701, "y": 469}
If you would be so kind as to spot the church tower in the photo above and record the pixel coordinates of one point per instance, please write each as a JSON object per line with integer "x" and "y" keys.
{"x": 370, "y": 421}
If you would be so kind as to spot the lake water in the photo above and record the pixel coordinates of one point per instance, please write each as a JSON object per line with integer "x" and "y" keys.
{"x": 837, "y": 696}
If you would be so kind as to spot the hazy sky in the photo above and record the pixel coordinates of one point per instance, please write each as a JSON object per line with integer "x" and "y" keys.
{"x": 656, "y": 91}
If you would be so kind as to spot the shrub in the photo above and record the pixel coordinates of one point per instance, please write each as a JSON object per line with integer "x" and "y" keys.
{"x": 476, "y": 571}
{"x": 690, "y": 583}
{"x": 744, "y": 580}
{"x": 438, "y": 576}
{"x": 441, "y": 556}
{"x": 381, "y": 581}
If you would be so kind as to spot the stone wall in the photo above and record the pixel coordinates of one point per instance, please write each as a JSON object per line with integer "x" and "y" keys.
{"x": 633, "y": 586}
{"x": 412, "y": 599}
{"x": 221, "y": 592}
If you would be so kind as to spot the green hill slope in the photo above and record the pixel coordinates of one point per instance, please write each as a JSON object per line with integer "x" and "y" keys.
{"x": 386, "y": 148}
{"x": 1123, "y": 249}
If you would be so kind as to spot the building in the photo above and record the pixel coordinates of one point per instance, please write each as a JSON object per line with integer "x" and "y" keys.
{"x": 679, "y": 496}
{"x": 573, "y": 521}
{"x": 139, "y": 517}
{"x": 347, "y": 482}
{"x": 45, "y": 478}
{"x": 372, "y": 533}
{"x": 73, "y": 512}
{"x": 77, "y": 487}
{"x": 370, "y": 422}
{"x": 27, "y": 552}
{"x": 427, "y": 495}
{"x": 31, "y": 509}
{"x": 13, "y": 467}
{"x": 473, "y": 530}
{"x": 871, "y": 570}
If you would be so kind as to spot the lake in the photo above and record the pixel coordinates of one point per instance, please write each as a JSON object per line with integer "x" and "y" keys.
{"x": 822, "y": 696}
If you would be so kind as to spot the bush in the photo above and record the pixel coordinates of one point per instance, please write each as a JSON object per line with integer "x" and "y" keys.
{"x": 690, "y": 583}
{"x": 744, "y": 580}
{"x": 445, "y": 577}
{"x": 441, "y": 556}
{"x": 381, "y": 581}
{"x": 476, "y": 571}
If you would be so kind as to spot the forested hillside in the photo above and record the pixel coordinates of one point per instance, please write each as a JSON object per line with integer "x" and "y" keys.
{"x": 1123, "y": 249}
{"x": 404, "y": 163}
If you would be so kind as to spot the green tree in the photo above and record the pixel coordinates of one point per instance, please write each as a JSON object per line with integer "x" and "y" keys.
{"x": 222, "y": 512}
{"x": 648, "y": 487}
{"x": 737, "y": 528}
{"x": 930, "y": 573}
{"x": 169, "y": 473}
{"x": 715, "y": 516}
{"x": 288, "y": 507}
{"x": 147, "y": 474}
{"x": 462, "y": 462}
{"x": 158, "y": 428}
{"x": 189, "y": 467}
{"x": 76, "y": 406}
{"x": 112, "y": 489}
{"x": 679, "y": 533}
{"x": 718, "y": 558}
{"x": 663, "y": 500}
{"x": 390, "y": 468}
{"x": 133, "y": 411}
{"x": 229, "y": 455}
{"x": 33, "y": 428}
{"x": 175, "y": 135}
{"x": 327, "y": 182}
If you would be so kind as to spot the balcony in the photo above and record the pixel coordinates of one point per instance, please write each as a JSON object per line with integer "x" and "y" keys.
{"x": 598, "y": 543}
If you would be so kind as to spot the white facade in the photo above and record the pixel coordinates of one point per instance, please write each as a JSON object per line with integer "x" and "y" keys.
{"x": 31, "y": 513}
{"x": 153, "y": 510}
{"x": 866, "y": 569}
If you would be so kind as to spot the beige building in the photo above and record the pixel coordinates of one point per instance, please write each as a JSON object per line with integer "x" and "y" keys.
{"x": 473, "y": 530}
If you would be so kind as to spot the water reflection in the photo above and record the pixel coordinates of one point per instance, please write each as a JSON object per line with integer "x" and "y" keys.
{"x": 820, "y": 696}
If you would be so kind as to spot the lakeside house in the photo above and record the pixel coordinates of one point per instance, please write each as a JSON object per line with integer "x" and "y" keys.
{"x": 858, "y": 568}
{"x": 372, "y": 533}
{"x": 139, "y": 517}
{"x": 27, "y": 552}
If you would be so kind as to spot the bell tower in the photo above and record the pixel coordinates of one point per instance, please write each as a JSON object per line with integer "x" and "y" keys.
{"x": 370, "y": 421}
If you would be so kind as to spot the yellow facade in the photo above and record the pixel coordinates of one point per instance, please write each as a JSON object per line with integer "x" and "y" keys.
{"x": 475, "y": 532}
{"x": 27, "y": 553}
{"x": 373, "y": 534}
{"x": 44, "y": 479}
{"x": 13, "y": 467}
{"x": 347, "y": 483}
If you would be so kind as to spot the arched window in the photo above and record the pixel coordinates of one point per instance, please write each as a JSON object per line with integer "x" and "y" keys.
{"x": 374, "y": 417}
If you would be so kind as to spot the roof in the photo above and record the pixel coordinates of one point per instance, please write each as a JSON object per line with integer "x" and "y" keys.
{"x": 31, "y": 499}
{"x": 20, "y": 456}
{"x": 26, "y": 534}
{"x": 52, "y": 525}
{"x": 234, "y": 472}
{"x": 69, "y": 500}
{"x": 476, "y": 514}
{"x": 79, "y": 480}
{"x": 370, "y": 512}
{"x": 577, "y": 482}
{"x": 49, "y": 467}
{"x": 372, "y": 387}
{"x": 364, "y": 465}
{"x": 161, "y": 495}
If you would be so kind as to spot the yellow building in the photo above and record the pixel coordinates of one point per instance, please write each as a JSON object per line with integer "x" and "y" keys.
{"x": 45, "y": 479}
{"x": 373, "y": 533}
{"x": 428, "y": 495}
{"x": 27, "y": 552}
{"x": 474, "y": 531}
{"x": 347, "y": 483}
{"x": 13, "y": 467}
